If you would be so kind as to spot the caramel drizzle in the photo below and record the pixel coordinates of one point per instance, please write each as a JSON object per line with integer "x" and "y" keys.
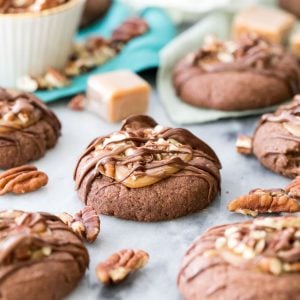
{"x": 13, "y": 235}
{"x": 47, "y": 115}
{"x": 91, "y": 170}
{"x": 288, "y": 113}
{"x": 251, "y": 57}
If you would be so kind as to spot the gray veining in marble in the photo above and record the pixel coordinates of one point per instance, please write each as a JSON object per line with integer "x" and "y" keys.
{"x": 166, "y": 242}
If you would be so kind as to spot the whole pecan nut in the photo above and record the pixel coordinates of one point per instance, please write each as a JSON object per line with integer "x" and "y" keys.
{"x": 130, "y": 29}
{"x": 264, "y": 201}
{"x": 85, "y": 223}
{"x": 119, "y": 265}
{"x": 22, "y": 180}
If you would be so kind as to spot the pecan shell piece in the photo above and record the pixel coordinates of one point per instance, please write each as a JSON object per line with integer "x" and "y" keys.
{"x": 264, "y": 201}
{"x": 85, "y": 223}
{"x": 119, "y": 265}
{"x": 22, "y": 180}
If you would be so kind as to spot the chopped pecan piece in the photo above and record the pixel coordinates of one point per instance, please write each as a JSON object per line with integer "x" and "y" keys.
{"x": 119, "y": 265}
{"x": 264, "y": 201}
{"x": 244, "y": 145}
{"x": 269, "y": 245}
{"x": 22, "y": 180}
{"x": 55, "y": 79}
{"x": 85, "y": 223}
{"x": 77, "y": 102}
{"x": 293, "y": 188}
{"x": 27, "y": 84}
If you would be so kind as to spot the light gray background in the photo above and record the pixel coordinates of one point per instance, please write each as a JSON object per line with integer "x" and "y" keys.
{"x": 166, "y": 242}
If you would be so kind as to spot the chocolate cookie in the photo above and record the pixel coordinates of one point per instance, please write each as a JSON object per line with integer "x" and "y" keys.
{"x": 41, "y": 257}
{"x": 291, "y": 5}
{"x": 93, "y": 11}
{"x": 27, "y": 128}
{"x": 147, "y": 172}
{"x": 252, "y": 260}
{"x": 247, "y": 74}
{"x": 276, "y": 141}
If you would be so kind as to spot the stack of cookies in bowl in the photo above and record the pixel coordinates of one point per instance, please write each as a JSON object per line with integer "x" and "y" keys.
{"x": 101, "y": 194}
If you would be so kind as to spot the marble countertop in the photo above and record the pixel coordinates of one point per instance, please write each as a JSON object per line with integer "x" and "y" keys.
{"x": 166, "y": 242}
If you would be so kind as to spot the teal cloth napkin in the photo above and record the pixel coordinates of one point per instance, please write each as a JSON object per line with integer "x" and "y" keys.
{"x": 140, "y": 54}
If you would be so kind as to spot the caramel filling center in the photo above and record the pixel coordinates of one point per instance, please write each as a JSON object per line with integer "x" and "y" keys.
{"x": 142, "y": 161}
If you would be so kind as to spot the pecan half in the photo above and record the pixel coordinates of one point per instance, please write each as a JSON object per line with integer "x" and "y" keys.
{"x": 244, "y": 145}
{"x": 264, "y": 201}
{"x": 85, "y": 223}
{"x": 77, "y": 102}
{"x": 130, "y": 29}
{"x": 22, "y": 180}
{"x": 293, "y": 188}
{"x": 119, "y": 265}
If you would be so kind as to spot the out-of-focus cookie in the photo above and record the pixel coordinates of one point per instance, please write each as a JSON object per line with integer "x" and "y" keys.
{"x": 276, "y": 141}
{"x": 27, "y": 128}
{"x": 291, "y": 5}
{"x": 147, "y": 172}
{"x": 41, "y": 257}
{"x": 248, "y": 74}
{"x": 252, "y": 260}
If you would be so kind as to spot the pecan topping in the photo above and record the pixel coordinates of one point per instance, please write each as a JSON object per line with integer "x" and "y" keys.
{"x": 16, "y": 112}
{"x": 27, "y": 237}
{"x": 77, "y": 102}
{"x": 119, "y": 265}
{"x": 269, "y": 245}
{"x": 264, "y": 201}
{"x": 143, "y": 153}
{"x": 293, "y": 188}
{"x": 85, "y": 223}
{"x": 22, "y": 180}
{"x": 244, "y": 144}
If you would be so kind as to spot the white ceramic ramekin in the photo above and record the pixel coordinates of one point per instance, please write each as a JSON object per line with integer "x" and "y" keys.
{"x": 32, "y": 42}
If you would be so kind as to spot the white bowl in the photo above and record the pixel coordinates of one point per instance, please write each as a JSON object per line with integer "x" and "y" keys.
{"x": 34, "y": 41}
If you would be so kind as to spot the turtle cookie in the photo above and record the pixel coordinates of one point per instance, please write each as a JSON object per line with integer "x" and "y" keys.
{"x": 41, "y": 257}
{"x": 238, "y": 75}
{"x": 252, "y": 260}
{"x": 27, "y": 128}
{"x": 147, "y": 172}
{"x": 276, "y": 141}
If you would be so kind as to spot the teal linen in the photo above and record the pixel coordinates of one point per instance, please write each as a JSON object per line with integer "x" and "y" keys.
{"x": 140, "y": 54}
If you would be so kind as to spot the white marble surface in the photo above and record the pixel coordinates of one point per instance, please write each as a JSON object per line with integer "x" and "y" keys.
{"x": 166, "y": 242}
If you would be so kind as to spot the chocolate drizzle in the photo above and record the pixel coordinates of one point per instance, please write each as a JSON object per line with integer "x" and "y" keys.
{"x": 14, "y": 103}
{"x": 142, "y": 133}
{"x": 249, "y": 54}
{"x": 267, "y": 245}
{"x": 286, "y": 113}
{"x": 24, "y": 237}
